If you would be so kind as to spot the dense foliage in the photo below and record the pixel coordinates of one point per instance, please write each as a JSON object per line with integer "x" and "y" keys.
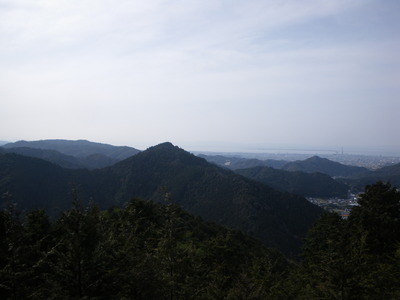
{"x": 357, "y": 258}
{"x": 157, "y": 251}
{"x": 143, "y": 251}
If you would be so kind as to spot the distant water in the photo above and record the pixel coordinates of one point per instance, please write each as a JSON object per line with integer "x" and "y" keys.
{"x": 322, "y": 151}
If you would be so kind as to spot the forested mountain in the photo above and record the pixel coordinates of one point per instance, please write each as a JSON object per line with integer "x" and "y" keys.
{"x": 73, "y": 154}
{"x": 279, "y": 219}
{"x": 234, "y": 163}
{"x": 387, "y": 171}
{"x": 63, "y": 160}
{"x": 305, "y": 184}
{"x": 386, "y": 174}
{"x": 34, "y": 183}
{"x": 323, "y": 165}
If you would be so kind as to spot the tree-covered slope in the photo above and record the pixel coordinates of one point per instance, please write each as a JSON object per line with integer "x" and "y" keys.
{"x": 142, "y": 251}
{"x": 357, "y": 258}
{"x": 323, "y": 165}
{"x": 35, "y": 183}
{"x": 386, "y": 174}
{"x": 305, "y": 184}
{"x": 278, "y": 219}
{"x": 87, "y": 154}
{"x": 63, "y": 160}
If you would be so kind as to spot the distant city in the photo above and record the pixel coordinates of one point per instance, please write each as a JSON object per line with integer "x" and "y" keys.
{"x": 340, "y": 206}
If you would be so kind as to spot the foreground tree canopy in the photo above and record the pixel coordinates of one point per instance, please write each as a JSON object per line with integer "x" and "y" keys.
{"x": 357, "y": 258}
{"x": 143, "y": 251}
{"x": 153, "y": 251}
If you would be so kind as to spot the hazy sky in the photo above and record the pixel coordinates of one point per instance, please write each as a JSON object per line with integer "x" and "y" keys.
{"x": 213, "y": 74}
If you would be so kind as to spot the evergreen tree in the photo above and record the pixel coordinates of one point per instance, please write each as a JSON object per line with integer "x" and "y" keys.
{"x": 356, "y": 258}
{"x": 377, "y": 218}
{"x": 13, "y": 271}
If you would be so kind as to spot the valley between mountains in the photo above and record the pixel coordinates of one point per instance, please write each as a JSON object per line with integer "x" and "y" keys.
{"x": 263, "y": 202}
{"x": 82, "y": 220}
{"x": 278, "y": 219}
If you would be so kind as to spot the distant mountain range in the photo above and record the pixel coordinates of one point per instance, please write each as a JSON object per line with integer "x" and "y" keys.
{"x": 72, "y": 154}
{"x": 386, "y": 174}
{"x": 306, "y": 178}
{"x": 279, "y": 219}
{"x": 234, "y": 163}
{"x": 324, "y": 165}
{"x": 313, "y": 164}
{"x": 305, "y": 184}
{"x": 251, "y": 204}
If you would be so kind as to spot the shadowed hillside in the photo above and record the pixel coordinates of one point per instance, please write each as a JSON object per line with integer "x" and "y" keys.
{"x": 279, "y": 219}
{"x": 73, "y": 154}
{"x": 305, "y": 184}
{"x": 323, "y": 165}
{"x": 386, "y": 174}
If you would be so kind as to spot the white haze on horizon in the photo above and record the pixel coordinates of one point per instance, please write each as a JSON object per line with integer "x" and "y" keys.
{"x": 202, "y": 74}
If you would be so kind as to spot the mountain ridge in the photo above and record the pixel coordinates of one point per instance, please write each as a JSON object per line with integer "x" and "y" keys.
{"x": 280, "y": 220}
{"x": 297, "y": 182}
{"x": 235, "y": 163}
{"x": 73, "y": 153}
{"x": 214, "y": 193}
{"x": 323, "y": 165}
{"x": 386, "y": 174}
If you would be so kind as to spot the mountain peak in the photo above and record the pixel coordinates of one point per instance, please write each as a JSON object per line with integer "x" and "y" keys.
{"x": 316, "y": 158}
{"x": 167, "y": 153}
{"x": 164, "y": 145}
{"x": 323, "y": 165}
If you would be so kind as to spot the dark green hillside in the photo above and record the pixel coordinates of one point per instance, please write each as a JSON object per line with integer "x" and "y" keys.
{"x": 142, "y": 251}
{"x": 63, "y": 160}
{"x": 88, "y": 154}
{"x": 278, "y": 219}
{"x": 147, "y": 250}
{"x": 386, "y": 174}
{"x": 317, "y": 164}
{"x": 357, "y": 258}
{"x": 305, "y": 184}
{"x": 34, "y": 183}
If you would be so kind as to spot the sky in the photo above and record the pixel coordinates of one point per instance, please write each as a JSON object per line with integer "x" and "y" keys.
{"x": 212, "y": 75}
